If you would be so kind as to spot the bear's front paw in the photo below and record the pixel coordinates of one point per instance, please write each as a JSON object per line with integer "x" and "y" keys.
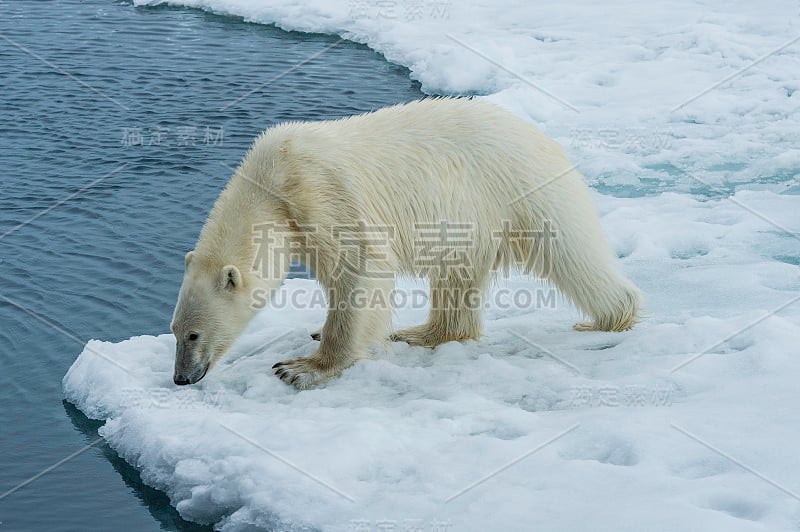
{"x": 303, "y": 372}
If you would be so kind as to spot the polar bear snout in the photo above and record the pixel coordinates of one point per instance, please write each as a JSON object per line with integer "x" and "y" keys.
{"x": 182, "y": 379}
{"x": 188, "y": 370}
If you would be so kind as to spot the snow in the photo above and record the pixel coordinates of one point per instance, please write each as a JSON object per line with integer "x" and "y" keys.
{"x": 687, "y": 422}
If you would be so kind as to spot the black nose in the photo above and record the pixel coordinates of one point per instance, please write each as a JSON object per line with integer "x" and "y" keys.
{"x": 180, "y": 380}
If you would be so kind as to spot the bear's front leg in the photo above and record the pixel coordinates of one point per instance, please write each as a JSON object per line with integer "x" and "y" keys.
{"x": 307, "y": 372}
{"x": 354, "y": 321}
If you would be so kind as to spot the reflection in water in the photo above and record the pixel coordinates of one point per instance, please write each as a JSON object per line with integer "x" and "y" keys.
{"x": 156, "y": 501}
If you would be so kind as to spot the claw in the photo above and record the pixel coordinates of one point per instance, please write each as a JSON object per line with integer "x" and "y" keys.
{"x": 303, "y": 372}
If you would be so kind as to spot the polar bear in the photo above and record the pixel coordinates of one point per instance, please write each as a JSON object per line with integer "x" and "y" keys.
{"x": 356, "y": 199}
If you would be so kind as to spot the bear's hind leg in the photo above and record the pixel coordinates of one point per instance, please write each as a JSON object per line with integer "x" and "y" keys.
{"x": 455, "y": 314}
{"x": 576, "y": 257}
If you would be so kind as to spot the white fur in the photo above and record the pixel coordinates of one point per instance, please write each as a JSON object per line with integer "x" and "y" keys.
{"x": 458, "y": 160}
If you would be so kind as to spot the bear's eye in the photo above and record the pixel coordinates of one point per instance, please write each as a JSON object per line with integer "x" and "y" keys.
{"x": 193, "y": 337}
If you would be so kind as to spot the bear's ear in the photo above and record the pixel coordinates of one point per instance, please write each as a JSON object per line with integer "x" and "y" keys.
{"x": 188, "y": 258}
{"x": 230, "y": 278}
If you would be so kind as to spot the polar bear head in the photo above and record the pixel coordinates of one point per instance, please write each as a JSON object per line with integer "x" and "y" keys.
{"x": 212, "y": 311}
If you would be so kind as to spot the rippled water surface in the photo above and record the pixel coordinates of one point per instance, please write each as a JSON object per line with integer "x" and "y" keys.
{"x": 118, "y": 129}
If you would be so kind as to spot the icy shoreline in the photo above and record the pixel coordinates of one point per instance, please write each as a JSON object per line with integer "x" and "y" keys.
{"x": 633, "y": 92}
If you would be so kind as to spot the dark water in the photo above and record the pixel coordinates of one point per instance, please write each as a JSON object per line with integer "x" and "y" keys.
{"x": 118, "y": 126}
